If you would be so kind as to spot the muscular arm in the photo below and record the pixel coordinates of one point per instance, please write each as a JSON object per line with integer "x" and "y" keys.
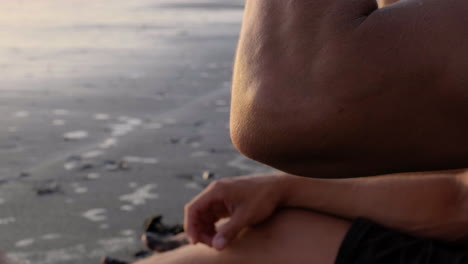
{"x": 429, "y": 204}
{"x": 343, "y": 89}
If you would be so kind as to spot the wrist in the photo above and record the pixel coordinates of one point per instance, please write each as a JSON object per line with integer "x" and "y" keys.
{"x": 286, "y": 188}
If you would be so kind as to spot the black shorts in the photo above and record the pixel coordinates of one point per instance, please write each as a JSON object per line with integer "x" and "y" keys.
{"x": 370, "y": 243}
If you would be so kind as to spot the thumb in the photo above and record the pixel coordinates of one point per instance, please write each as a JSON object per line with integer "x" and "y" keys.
{"x": 229, "y": 231}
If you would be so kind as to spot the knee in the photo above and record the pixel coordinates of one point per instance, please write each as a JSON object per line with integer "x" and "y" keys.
{"x": 318, "y": 242}
{"x": 274, "y": 241}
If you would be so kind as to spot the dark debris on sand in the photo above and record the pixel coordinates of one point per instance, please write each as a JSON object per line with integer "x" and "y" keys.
{"x": 108, "y": 260}
{"x": 48, "y": 188}
{"x": 158, "y": 237}
{"x": 142, "y": 254}
{"x": 155, "y": 225}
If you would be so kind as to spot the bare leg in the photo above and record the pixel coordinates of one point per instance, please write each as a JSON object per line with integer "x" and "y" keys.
{"x": 291, "y": 236}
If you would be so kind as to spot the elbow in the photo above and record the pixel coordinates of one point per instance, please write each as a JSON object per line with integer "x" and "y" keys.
{"x": 255, "y": 136}
{"x": 257, "y": 115}
{"x": 264, "y": 149}
{"x": 289, "y": 113}
{"x": 274, "y": 131}
{"x": 259, "y": 131}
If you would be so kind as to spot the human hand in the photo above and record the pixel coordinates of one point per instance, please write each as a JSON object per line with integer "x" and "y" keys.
{"x": 246, "y": 201}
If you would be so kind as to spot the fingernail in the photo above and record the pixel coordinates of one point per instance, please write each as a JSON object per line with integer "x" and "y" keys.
{"x": 219, "y": 242}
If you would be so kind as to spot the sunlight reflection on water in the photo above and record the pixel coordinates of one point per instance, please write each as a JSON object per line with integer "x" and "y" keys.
{"x": 57, "y": 38}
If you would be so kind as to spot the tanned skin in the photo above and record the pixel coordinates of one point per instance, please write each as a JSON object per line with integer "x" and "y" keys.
{"x": 280, "y": 218}
{"x": 384, "y": 3}
{"x": 339, "y": 88}
{"x": 428, "y": 204}
{"x": 342, "y": 88}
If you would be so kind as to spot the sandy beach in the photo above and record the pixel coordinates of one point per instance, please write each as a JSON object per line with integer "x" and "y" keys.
{"x": 111, "y": 112}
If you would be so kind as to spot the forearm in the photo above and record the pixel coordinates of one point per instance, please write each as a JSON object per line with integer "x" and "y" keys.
{"x": 425, "y": 204}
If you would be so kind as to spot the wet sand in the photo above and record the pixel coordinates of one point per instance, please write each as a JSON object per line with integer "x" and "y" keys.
{"x": 111, "y": 112}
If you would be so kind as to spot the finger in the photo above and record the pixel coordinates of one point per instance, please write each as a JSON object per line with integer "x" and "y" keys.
{"x": 207, "y": 239}
{"x": 205, "y": 231}
{"x": 229, "y": 231}
{"x": 202, "y": 213}
{"x": 206, "y": 209}
{"x": 205, "y": 227}
{"x": 191, "y": 215}
{"x": 198, "y": 223}
{"x": 188, "y": 225}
